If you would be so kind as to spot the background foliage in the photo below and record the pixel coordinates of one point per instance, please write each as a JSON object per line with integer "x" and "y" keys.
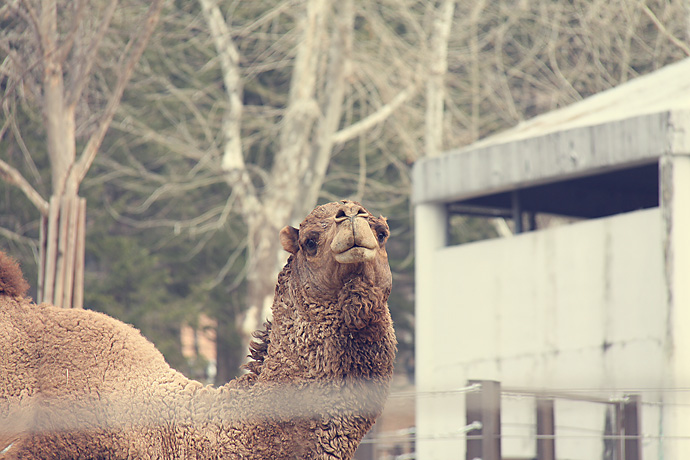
{"x": 165, "y": 237}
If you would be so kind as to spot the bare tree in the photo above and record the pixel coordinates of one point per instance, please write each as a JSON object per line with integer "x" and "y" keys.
{"x": 334, "y": 95}
{"x": 310, "y": 129}
{"x": 320, "y": 99}
{"x": 524, "y": 58}
{"x": 50, "y": 50}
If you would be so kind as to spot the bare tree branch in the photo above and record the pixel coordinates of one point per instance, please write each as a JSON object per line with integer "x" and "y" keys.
{"x": 80, "y": 74}
{"x": 336, "y": 75}
{"x": 375, "y": 118}
{"x": 229, "y": 63}
{"x": 66, "y": 46}
{"x": 35, "y": 22}
{"x": 14, "y": 236}
{"x": 16, "y": 132}
{"x": 662, "y": 28}
{"x": 14, "y": 177}
{"x": 138, "y": 44}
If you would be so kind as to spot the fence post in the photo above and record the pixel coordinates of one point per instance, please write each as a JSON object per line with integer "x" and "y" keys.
{"x": 367, "y": 448}
{"x": 546, "y": 429}
{"x": 631, "y": 428}
{"x": 484, "y": 406}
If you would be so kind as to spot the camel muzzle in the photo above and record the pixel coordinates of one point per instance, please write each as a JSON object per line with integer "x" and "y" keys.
{"x": 354, "y": 241}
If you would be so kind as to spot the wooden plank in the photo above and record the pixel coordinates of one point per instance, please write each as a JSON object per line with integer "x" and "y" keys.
{"x": 61, "y": 260}
{"x": 51, "y": 250}
{"x": 484, "y": 406}
{"x": 367, "y": 449}
{"x": 631, "y": 427}
{"x": 546, "y": 429}
{"x": 78, "y": 297}
{"x": 42, "y": 238}
{"x": 70, "y": 250}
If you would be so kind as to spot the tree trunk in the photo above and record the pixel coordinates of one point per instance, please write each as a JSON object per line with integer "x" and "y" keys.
{"x": 436, "y": 93}
{"x": 267, "y": 257}
{"x": 61, "y": 269}
{"x": 335, "y": 82}
{"x": 309, "y": 130}
{"x": 62, "y": 230}
{"x": 229, "y": 353}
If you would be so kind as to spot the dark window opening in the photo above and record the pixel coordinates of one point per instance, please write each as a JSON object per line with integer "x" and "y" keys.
{"x": 587, "y": 197}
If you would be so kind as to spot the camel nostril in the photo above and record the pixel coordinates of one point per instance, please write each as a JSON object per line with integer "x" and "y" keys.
{"x": 350, "y": 212}
{"x": 341, "y": 215}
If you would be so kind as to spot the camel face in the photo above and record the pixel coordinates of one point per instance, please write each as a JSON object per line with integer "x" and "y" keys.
{"x": 336, "y": 241}
{"x": 354, "y": 240}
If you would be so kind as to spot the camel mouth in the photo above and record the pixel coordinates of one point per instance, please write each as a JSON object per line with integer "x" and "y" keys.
{"x": 354, "y": 241}
{"x": 355, "y": 255}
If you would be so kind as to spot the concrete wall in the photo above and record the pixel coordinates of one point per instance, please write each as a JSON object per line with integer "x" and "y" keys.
{"x": 576, "y": 308}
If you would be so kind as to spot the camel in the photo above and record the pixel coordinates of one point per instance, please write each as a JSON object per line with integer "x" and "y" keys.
{"x": 79, "y": 384}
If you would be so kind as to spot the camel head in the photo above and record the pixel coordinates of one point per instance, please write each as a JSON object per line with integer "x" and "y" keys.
{"x": 338, "y": 245}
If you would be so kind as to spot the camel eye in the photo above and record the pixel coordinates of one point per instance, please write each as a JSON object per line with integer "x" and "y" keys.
{"x": 310, "y": 246}
{"x": 382, "y": 235}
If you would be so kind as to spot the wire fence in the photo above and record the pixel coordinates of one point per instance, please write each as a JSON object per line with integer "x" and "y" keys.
{"x": 620, "y": 436}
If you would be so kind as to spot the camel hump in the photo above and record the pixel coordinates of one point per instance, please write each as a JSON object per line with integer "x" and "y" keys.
{"x": 12, "y": 282}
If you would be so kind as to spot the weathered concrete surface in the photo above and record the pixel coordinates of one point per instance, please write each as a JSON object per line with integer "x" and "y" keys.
{"x": 601, "y": 306}
{"x": 635, "y": 123}
{"x": 578, "y": 307}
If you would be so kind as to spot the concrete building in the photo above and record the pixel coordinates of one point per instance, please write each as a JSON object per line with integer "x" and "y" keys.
{"x": 599, "y": 307}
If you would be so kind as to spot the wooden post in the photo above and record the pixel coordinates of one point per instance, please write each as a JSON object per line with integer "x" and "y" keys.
{"x": 50, "y": 258}
{"x": 484, "y": 406}
{"x": 546, "y": 429}
{"x": 632, "y": 445}
{"x": 61, "y": 268}
{"x": 367, "y": 449}
{"x": 71, "y": 235}
{"x": 78, "y": 297}
{"x": 42, "y": 242}
{"x": 64, "y": 258}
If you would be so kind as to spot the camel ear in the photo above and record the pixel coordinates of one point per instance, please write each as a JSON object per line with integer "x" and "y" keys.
{"x": 289, "y": 238}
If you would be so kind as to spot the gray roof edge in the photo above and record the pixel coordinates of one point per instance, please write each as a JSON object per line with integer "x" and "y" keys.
{"x": 486, "y": 169}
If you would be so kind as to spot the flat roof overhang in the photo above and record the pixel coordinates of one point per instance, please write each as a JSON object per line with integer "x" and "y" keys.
{"x": 597, "y": 157}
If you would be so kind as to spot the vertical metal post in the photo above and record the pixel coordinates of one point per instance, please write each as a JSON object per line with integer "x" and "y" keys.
{"x": 631, "y": 428}
{"x": 367, "y": 450}
{"x": 484, "y": 406}
{"x": 619, "y": 433}
{"x": 546, "y": 429}
{"x": 612, "y": 430}
{"x": 517, "y": 211}
{"x": 532, "y": 221}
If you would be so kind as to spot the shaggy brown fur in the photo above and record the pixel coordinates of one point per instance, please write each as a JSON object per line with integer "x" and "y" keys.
{"x": 12, "y": 282}
{"x": 79, "y": 384}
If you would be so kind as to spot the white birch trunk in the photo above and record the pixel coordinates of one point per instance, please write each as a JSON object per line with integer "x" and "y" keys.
{"x": 309, "y": 130}
{"x": 435, "y": 88}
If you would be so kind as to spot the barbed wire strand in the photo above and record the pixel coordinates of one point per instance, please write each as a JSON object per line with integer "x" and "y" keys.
{"x": 518, "y": 391}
